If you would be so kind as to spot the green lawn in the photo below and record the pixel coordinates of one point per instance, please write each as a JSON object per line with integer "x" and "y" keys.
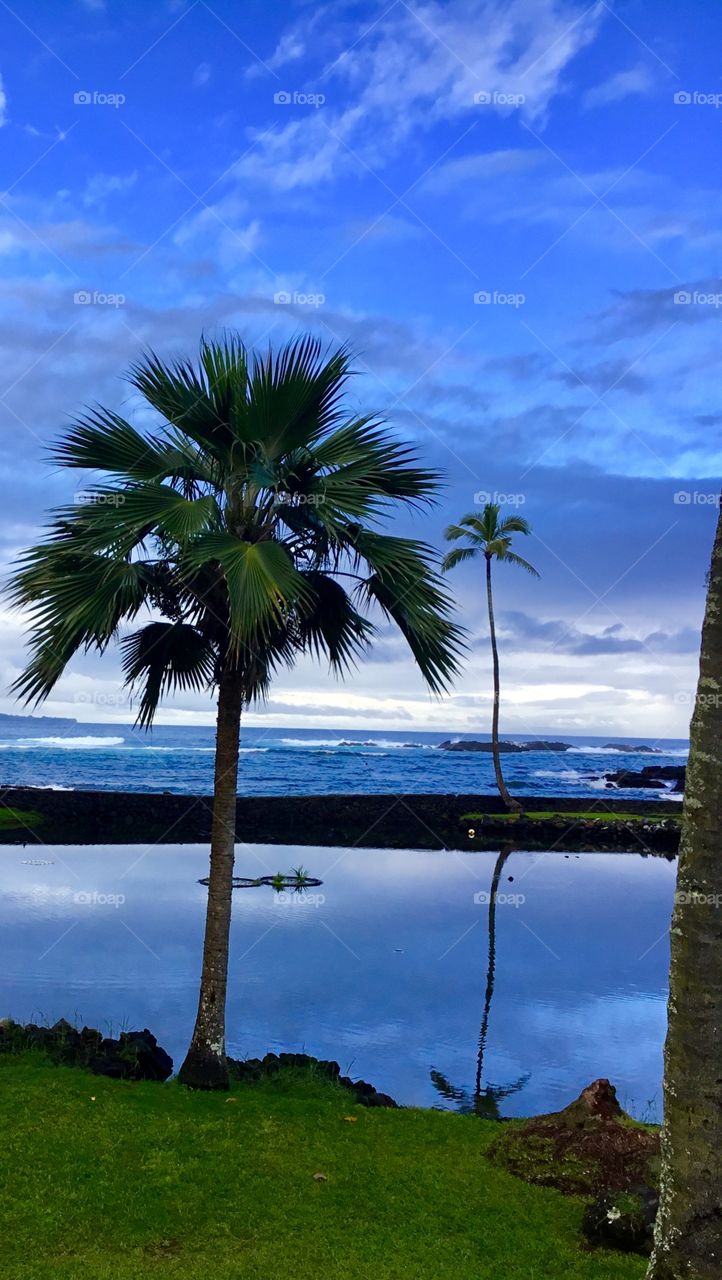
{"x": 11, "y": 818}
{"x": 113, "y": 1181}
{"x": 589, "y": 815}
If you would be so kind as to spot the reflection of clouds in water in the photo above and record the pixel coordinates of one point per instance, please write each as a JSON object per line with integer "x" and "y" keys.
{"x": 360, "y": 978}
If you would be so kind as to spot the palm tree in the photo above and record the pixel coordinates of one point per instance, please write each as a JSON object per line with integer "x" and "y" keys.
{"x": 488, "y": 536}
{"x": 688, "y": 1231}
{"x": 246, "y": 522}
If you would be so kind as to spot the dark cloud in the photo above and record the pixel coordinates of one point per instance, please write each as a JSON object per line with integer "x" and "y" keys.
{"x": 641, "y": 311}
{"x": 568, "y": 638}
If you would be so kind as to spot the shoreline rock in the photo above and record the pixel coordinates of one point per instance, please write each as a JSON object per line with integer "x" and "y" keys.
{"x": 250, "y": 1069}
{"x": 135, "y": 1055}
{"x": 413, "y": 820}
{"x": 651, "y": 777}
{"x": 505, "y": 748}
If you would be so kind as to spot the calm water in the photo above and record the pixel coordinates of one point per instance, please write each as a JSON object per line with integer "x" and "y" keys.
{"x": 305, "y": 761}
{"x": 385, "y": 970}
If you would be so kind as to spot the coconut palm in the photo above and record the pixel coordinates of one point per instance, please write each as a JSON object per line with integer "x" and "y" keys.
{"x": 245, "y": 527}
{"x": 489, "y": 537}
{"x": 688, "y": 1231}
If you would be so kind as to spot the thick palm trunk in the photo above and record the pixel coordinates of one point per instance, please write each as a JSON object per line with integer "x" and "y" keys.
{"x": 205, "y": 1064}
{"x": 509, "y": 801}
{"x": 688, "y": 1233}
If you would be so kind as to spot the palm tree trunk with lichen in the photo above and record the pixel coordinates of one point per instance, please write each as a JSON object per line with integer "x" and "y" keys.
{"x": 509, "y": 800}
{"x": 688, "y": 1231}
{"x": 205, "y": 1066}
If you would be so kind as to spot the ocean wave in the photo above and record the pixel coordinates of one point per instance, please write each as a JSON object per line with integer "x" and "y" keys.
{"x": 67, "y": 744}
{"x": 310, "y": 742}
{"x": 562, "y": 775}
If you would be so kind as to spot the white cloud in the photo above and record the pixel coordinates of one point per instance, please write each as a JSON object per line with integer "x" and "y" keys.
{"x": 201, "y": 75}
{"x": 3, "y": 103}
{"x": 413, "y": 69}
{"x": 101, "y": 186}
{"x": 635, "y": 82}
{"x": 290, "y": 48}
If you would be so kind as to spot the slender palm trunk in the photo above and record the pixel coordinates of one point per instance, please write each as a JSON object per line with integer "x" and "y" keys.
{"x": 688, "y": 1232}
{"x": 509, "y": 801}
{"x": 205, "y": 1065}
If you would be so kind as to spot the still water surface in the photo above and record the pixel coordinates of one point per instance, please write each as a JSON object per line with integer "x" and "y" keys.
{"x": 385, "y": 968}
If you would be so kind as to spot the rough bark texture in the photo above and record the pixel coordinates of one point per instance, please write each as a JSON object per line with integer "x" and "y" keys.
{"x": 688, "y": 1232}
{"x": 205, "y": 1065}
{"x": 508, "y": 800}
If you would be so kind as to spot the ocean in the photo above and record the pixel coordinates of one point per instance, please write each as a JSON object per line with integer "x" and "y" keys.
{"x": 66, "y": 754}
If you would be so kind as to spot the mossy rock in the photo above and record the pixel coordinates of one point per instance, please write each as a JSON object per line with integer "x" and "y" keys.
{"x": 590, "y": 1147}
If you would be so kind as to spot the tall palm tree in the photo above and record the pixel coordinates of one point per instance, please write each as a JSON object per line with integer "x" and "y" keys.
{"x": 688, "y": 1231}
{"x": 489, "y": 537}
{"x": 245, "y": 524}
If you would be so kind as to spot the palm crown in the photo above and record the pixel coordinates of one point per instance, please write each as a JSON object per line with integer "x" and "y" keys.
{"x": 486, "y": 535}
{"x": 248, "y": 520}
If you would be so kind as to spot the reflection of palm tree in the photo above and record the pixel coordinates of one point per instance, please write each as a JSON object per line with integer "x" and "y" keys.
{"x": 483, "y": 1102}
{"x": 491, "y": 964}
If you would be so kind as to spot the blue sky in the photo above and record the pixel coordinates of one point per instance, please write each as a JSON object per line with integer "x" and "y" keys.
{"x": 511, "y": 210}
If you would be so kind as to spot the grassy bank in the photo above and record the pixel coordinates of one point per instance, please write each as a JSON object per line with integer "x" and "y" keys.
{"x": 119, "y": 1180}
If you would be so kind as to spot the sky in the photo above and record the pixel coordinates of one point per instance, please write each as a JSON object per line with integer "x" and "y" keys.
{"x": 512, "y": 213}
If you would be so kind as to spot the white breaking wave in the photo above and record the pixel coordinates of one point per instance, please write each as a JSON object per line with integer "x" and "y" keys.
{"x": 562, "y": 775}
{"x": 574, "y": 775}
{"x": 310, "y": 742}
{"x": 67, "y": 744}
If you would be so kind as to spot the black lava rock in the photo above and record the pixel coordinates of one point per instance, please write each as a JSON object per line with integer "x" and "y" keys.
{"x": 135, "y": 1055}
{"x": 622, "y": 1220}
{"x": 252, "y": 1069}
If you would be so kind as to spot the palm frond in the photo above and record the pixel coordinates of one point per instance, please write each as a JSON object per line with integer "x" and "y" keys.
{"x": 329, "y": 625}
{"x": 458, "y": 556}
{"x": 260, "y": 578}
{"x": 163, "y": 657}
{"x": 512, "y": 558}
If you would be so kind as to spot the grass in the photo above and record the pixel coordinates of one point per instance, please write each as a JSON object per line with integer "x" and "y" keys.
{"x": 590, "y": 815}
{"x": 10, "y": 818}
{"x": 118, "y": 1181}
